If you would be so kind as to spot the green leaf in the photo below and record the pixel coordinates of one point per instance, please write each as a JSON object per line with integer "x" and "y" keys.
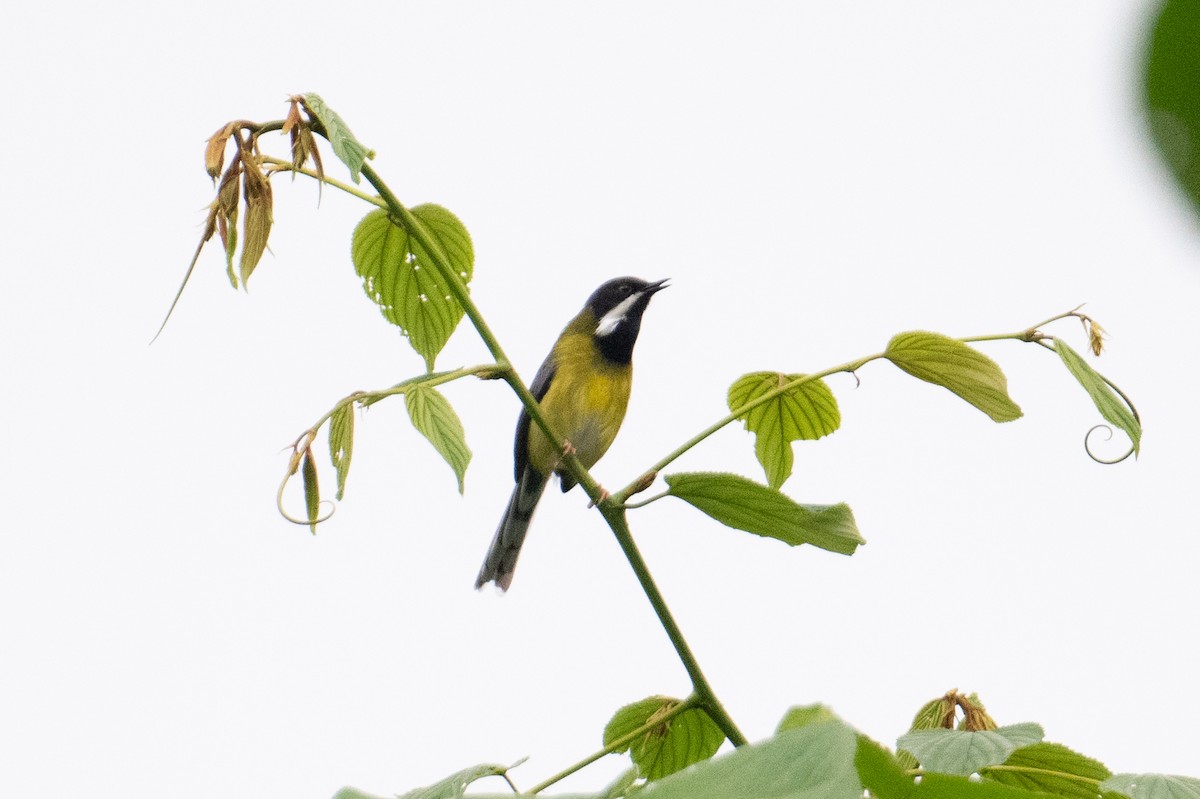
{"x": 435, "y": 419}
{"x": 813, "y": 762}
{"x": 884, "y": 777}
{"x": 399, "y": 274}
{"x": 455, "y": 786}
{"x": 354, "y": 793}
{"x": 964, "y": 753}
{"x": 946, "y": 786}
{"x": 807, "y": 411}
{"x": 1111, "y": 407}
{"x": 949, "y": 363}
{"x": 341, "y": 443}
{"x": 312, "y": 494}
{"x": 803, "y": 715}
{"x": 349, "y": 149}
{"x": 1153, "y": 786}
{"x": 745, "y": 505}
{"x": 677, "y": 743}
{"x": 1051, "y": 768}
{"x": 1173, "y": 94}
{"x": 880, "y": 771}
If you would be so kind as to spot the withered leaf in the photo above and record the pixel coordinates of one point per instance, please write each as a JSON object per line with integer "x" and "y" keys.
{"x": 214, "y": 152}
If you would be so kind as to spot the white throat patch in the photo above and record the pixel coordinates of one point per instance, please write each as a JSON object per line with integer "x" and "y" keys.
{"x": 613, "y": 319}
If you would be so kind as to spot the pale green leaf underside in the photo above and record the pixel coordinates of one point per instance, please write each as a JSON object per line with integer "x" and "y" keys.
{"x": 745, "y": 505}
{"x": 807, "y": 411}
{"x": 949, "y": 363}
{"x": 454, "y": 786}
{"x": 400, "y": 277}
{"x": 341, "y": 443}
{"x": 433, "y": 416}
{"x": 813, "y": 762}
{"x": 1111, "y": 407}
{"x": 1153, "y": 786}
{"x": 1051, "y": 768}
{"x": 690, "y": 737}
{"x": 962, "y": 752}
{"x": 350, "y": 150}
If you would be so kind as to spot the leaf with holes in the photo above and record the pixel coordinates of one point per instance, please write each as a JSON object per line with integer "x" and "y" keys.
{"x": 400, "y": 276}
{"x": 678, "y": 742}
{"x": 805, "y": 411}
{"x": 341, "y": 443}
{"x": 435, "y": 419}
{"x": 949, "y": 363}
{"x": 746, "y": 505}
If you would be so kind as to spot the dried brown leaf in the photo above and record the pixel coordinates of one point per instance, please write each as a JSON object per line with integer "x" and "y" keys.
{"x": 214, "y": 152}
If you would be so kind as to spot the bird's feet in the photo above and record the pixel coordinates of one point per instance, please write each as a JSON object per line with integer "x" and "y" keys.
{"x": 604, "y": 495}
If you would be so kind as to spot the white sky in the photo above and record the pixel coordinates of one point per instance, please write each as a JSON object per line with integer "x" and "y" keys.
{"x": 814, "y": 177}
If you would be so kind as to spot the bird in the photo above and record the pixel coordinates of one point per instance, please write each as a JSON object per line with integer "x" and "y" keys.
{"x": 583, "y": 390}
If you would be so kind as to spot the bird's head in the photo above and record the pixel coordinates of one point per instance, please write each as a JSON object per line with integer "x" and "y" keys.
{"x": 617, "y": 307}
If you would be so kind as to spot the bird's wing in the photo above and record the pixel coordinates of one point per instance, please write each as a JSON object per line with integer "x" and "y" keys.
{"x": 539, "y": 387}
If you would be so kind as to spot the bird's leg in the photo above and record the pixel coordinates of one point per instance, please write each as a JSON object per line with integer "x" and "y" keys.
{"x": 604, "y": 495}
{"x": 567, "y": 451}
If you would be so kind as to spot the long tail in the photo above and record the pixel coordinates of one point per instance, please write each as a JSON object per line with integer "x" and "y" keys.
{"x": 501, "y": 560}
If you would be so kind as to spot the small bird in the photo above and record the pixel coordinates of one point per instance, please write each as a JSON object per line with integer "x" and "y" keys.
{"x": 583, "y": 389}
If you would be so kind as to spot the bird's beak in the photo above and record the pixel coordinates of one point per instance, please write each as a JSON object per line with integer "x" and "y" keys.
{"x": 653, "y": 287}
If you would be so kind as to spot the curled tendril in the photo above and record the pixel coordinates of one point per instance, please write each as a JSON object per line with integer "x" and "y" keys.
{"x": 293, "y": 519}
{"x": 301, "y": 447}
{"x": 1087, "y": 439}
{"x": 1087, "y": 446}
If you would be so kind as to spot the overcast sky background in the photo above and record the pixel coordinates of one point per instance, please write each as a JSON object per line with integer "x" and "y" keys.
{"x": 814, "y": 177}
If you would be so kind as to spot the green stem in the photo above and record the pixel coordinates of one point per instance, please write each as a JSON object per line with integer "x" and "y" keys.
{"x": 459, "y": 290}
{"x": 371, "y": 397}
{"x": 615, "y": 516}
{"x": 286, "y": 166}
{"x": 618, "y": 744}
{"x": 738, "y": 413}
{"x": 1030, "y": 334}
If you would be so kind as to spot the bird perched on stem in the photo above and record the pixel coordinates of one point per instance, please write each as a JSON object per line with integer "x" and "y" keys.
{"x": 583, "y": 390}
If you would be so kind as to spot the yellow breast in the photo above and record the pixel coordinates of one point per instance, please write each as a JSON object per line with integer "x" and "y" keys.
{"x": 586, "y": 403}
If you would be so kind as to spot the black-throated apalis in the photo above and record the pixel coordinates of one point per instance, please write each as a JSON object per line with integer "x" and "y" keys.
{"x": 583, "y": 389}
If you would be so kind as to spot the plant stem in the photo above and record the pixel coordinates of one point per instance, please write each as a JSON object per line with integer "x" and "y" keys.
{"x": 1030, "y": 334}
{"x": 286, "y": 166}
{"x": 619, "y": 743}
{"x": 459, "y": 290}
{"x": 615, "y": 516}
{"x": 737, "y": 413}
